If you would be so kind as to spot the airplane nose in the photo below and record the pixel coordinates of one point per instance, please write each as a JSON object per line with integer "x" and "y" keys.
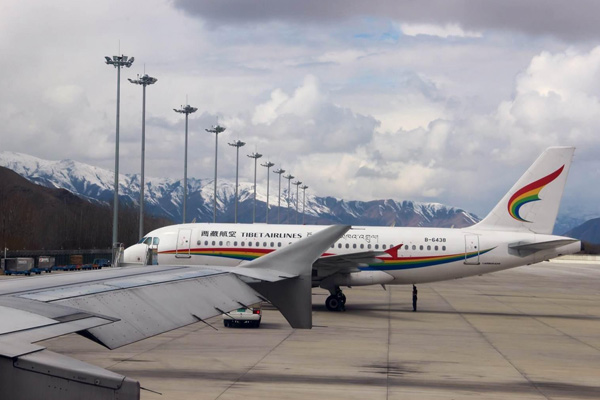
{"x": 135, "y": 254}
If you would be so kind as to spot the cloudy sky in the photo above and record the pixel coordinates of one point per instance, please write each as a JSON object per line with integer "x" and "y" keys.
{"x": 442, "y": 100}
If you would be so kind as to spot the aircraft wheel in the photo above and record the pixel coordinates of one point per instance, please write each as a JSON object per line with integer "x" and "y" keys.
{"x": 333, "y": 303}
{"x": 342, "y": 298}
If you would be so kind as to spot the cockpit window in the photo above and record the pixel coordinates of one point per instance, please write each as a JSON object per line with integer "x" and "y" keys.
{"x": 156, "y": 241}
{"x": 148, "y": 241}
{"x": 142, "y": 240}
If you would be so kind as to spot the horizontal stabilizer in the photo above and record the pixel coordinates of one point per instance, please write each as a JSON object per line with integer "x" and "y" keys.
{"x": 538, "y": 246}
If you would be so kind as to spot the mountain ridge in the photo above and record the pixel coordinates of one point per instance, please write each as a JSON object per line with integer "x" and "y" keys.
{"x": 164, "y": 197}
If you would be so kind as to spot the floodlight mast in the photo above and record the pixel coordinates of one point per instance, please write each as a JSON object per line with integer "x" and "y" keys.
{"x": 256, "y": 156}
{"x": 118, "y": 62}
{"x": 268, "y": 165}
{"x": 303, "y": 187}
{"x": 279, "y": 172}
{"x": 145, "y": 80}
{"x": 237, "y": 144}
{"x": 187, "y": 110}
{"x": 216, "y": 129}
{"x": 297, "y": 183}
{"x": 289, "y": 177}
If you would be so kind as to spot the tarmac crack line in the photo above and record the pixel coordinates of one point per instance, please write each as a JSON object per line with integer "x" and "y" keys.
{"x": 538, "y": 319}
{"x": 255, "y": 364}
{"x": 522, "y": 373}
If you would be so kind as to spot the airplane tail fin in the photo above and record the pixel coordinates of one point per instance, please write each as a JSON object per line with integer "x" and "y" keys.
{"x": 284, "y": 277}
{"x": 532, "y": 203}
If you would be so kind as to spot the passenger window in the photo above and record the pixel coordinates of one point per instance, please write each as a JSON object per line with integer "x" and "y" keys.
{"x": 369, "y": 246}
{"x": 428, "y": 247}
{"x": 220, "y": 243}
{"x": 339, "y": 245}
{"x": 199, "y": 242}
{"x": 376, "y": 246}
{"x": 272, "y": 244}
{"x": 421, "y": 247}
{"x": 436, "y": 248}
{"x": 279, "y": 244}
{"x": 444, "y": 248}
{"x": 213, "y": 242}
{"x": 414, "y": 247}
{"x": 228, "y": 243}
{"x": 243, "y": 244}
{"x": 249, "y": 244}
{"x": 206, "y": 242}
{"x": 383, "y": 247}
{"x": 264, "y": 244}
{"x": 354, "y": 246}
{"x": 362, "y": 246}
{"x": 235, "y": 243}
{"x": 347, "y": 246}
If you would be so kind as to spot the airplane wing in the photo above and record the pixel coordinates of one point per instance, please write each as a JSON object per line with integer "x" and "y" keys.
{"x": 115, "y": 307}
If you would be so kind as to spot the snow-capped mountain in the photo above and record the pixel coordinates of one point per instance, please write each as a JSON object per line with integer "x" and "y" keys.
{"x": 164, "y": 197}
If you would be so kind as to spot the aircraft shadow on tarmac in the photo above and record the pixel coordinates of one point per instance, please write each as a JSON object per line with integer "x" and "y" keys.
{"x": 395, "y": 376}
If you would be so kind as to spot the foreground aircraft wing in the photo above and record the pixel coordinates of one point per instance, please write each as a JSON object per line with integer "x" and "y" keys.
{"x": 119, "y": 306}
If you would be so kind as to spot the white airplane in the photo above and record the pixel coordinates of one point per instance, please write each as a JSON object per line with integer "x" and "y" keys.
{"x": 119, "y": 306}
{"x": 518, "y": 231}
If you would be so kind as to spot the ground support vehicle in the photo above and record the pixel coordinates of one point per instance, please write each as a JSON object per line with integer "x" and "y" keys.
{"x": 249, "y": 317}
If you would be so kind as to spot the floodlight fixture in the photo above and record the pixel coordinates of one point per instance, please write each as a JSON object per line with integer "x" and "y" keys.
{"x": 216, "y": 129}
{"x": 118, "y": 62}
{"x": 303, "y": 187}
{"x": 268, "y": 165}
{"x": 145, "y": 80}
{"x": 279, "y": 172}
{"x": 289, "y": 177}
{"x": 256, "y": 156}
{"x": 187, "y": 110}
{"x": 297, "y": 183}
{"x": 237, "y": 144}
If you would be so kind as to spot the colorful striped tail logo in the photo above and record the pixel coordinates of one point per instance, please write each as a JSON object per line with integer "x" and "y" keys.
{"x": 529, "y": 193}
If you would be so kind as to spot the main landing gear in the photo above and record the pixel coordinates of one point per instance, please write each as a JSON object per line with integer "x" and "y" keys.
{"x": 336, "y": 301}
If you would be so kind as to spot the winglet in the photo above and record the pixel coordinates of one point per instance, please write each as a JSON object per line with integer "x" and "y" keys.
{"x": 285, "y": 274}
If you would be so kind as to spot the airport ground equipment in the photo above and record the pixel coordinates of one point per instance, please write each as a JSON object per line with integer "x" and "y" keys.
{"x": 19, "y": 266}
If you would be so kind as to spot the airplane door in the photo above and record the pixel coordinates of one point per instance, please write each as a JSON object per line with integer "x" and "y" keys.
{"x": 183, "y": 243}
{"x": 472, "y": 249}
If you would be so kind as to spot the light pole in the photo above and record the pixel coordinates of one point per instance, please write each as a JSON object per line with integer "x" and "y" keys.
{"x": 268, "y": 165}
{"x": 216, "y": 129}
{"x": 118, "y": 62}
{"x": 145, "y": 80}
{"x": 187, "y": 110}
{"x": 297, "y": 183}
{"x": 279, "y": 172}
{"x": 256, "y": 156}
{"x": 289, "y": 177}
{"x": 303, "y": 187}
{"x": 237, "y": 144}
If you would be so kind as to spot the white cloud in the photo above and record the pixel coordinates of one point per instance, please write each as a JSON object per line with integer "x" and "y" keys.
{"x": 443, "y": 31}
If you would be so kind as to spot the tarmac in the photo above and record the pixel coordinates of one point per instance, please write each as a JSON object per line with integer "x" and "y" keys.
{"x": 528, "y": 333}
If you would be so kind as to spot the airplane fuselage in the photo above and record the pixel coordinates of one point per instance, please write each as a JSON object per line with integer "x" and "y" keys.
{"x": 403, "y": 255}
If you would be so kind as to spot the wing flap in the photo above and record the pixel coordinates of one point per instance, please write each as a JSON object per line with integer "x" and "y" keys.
{"x": 148, "y": 310}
